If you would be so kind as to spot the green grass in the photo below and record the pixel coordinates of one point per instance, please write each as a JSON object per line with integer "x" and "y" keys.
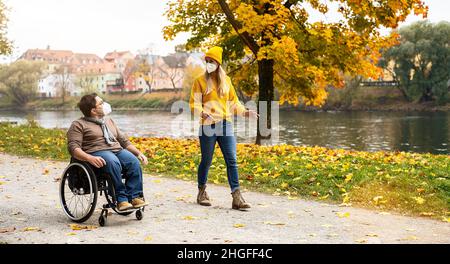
{"x": 408, "y": 183}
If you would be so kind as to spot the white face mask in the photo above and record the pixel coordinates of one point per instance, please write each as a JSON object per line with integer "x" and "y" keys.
{"x": 106, "y": 108}
{"x": 211, "y": 67}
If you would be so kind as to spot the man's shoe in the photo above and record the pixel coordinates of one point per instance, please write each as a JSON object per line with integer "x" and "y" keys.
{"x": 202, "y": 196}
{"x": 138, "y": 202}
{"x": 123, "y": 206}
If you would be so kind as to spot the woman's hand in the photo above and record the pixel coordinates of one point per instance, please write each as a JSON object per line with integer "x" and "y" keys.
{"x": 205, "y": 116}
{"x": 143, "y": 158}
{"x": 251, "y": 113}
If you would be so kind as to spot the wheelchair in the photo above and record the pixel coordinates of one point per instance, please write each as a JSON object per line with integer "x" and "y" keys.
{"x": 79, "y": 190}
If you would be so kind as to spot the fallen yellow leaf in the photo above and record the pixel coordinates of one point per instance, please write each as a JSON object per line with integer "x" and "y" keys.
{"x": 342, "y": 215}
{"x": 238, "y": 225}
{"x": 361, "y": 241}
{"x": 426, "y": 214}
{"x": 148, "y": 238}
{"x": 410, "y": 238}
{"x": 372, "y": 235}
{"x": 348, "y": 177}
{"x": 188, "y": 217}
{"x": 82, "y": 227}
{"x": 419, "y": 200}
{"x": 378, "y": 200}
{"x": 31, "y": 229}
{"x": 71, "y": 234}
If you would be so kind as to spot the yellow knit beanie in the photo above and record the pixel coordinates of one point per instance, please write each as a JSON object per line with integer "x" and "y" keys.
{"x": 215, "y": 53}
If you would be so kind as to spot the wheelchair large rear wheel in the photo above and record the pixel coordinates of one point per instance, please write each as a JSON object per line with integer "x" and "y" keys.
{"x": 78, "y": 192}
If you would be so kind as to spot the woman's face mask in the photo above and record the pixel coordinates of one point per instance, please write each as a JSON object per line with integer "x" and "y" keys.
{"x": 211, "y": 67}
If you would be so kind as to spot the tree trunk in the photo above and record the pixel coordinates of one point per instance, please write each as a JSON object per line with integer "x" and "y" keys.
{"x": 63, "y": 95}
{"x": 266, "y": 92}
{"x": 149, "y": 86}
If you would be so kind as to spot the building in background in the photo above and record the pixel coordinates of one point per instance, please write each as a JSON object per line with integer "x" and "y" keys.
{"x": 118, "y": 72}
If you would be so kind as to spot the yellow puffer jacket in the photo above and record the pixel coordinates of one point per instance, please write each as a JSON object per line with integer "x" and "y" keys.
{"x": 213, "y": 104}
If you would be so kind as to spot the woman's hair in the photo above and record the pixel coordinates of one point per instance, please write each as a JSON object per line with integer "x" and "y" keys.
{"x": 222, "y": 86}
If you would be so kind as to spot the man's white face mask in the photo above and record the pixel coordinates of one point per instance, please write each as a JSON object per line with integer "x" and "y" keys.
{"x": 211, "y": 67}
{"x": 106, "y": 108}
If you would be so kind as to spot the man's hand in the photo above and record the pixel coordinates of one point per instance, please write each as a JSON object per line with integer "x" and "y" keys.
{"x": 97, "y": 162}
{"x": 251, "y": 113}
{"x": 143, "y": 158}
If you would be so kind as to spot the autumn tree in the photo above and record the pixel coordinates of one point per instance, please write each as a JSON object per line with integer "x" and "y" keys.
{"x": 5, "y": 44}
{"x": 146, "y": 68}
{"x": 86, "y": 82}
{"x": 173, "y": 68}
{"x": 19, "y": 81}
{"x": 63, "y": 73}
{"x": 422, "y": 61}
{"x": 297, "y": 56}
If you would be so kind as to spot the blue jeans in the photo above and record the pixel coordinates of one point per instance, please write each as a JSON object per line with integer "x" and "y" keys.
{"x": 222, "y": 132}
{"x": 115, "y": 163}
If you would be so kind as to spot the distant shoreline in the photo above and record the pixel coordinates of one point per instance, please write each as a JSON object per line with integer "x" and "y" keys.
{"x": 398, "y": 108}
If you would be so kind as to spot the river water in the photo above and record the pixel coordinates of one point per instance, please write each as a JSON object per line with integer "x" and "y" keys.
{"x": 367, "y": 131}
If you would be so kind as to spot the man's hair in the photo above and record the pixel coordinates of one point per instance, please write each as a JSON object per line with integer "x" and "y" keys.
{"x": 87, "y": 103}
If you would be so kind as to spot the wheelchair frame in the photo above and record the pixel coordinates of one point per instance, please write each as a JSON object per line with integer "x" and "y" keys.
{"x": 97, "y": 183}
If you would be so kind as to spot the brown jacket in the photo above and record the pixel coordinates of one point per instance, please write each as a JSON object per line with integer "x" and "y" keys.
{"x": 89, "y": 137}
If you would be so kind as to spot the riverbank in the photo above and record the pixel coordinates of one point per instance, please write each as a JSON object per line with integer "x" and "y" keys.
{"x": 407, "y": 183}
{"x": 361, "y": 99}
{"x": 158, "y": 101}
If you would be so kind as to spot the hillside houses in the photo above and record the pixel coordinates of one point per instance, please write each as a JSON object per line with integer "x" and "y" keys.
{"x": 116, "y": 72}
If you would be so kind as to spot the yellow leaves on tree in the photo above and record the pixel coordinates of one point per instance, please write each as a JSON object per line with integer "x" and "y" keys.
{"x": 298, "y": 57}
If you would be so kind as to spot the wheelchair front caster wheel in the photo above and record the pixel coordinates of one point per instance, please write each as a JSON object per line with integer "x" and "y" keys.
{"x": 139, "y": 215}
{"x": 102, "y": 220}
{"x": 103, "y": 217}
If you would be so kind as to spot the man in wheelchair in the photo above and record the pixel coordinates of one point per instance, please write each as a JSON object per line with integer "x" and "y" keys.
{"x": 96, "y": 139}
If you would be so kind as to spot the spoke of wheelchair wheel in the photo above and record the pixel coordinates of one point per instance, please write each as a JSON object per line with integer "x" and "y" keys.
{"x": 82, "y": 205}
{"x": 80, "y": 202}
{"x": 87, "y": 198}
{"x": 69, "y": 203}
{"x": 77, "y": 202}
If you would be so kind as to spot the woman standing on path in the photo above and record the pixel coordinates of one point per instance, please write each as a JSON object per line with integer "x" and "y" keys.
{"x": 214, "y": 99}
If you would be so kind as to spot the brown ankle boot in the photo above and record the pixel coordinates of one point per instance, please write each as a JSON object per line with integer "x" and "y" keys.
{"x": 202, "y": 197}
{"x": 238, "y": 201}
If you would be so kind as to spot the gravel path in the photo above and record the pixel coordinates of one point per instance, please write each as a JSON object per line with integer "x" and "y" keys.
{"x": 30, "y": 213}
